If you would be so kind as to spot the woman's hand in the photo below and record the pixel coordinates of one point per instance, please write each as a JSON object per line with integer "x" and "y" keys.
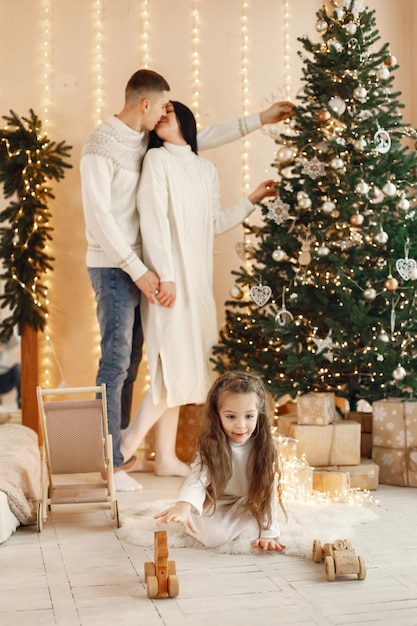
{"x": 277, "y": 112}
{"x": 166, "y": 294}
{"x": 180, "y": 512}
{"x": 267, "y": 188}
{"x": 268, "y": 544}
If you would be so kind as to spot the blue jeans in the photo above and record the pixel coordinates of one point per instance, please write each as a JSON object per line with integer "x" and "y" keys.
{"x": 118, "y": 313}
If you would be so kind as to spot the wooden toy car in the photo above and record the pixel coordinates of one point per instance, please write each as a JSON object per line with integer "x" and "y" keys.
{"x": 160, "y": 576}
{"x": 339, "y": 559}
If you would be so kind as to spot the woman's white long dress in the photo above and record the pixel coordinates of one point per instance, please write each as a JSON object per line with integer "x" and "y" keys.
{"x": 179, "y": 208}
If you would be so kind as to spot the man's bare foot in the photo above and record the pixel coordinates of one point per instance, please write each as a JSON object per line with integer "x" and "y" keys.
{"x": 136, "y": 464}
{"x": 174, "y": 467}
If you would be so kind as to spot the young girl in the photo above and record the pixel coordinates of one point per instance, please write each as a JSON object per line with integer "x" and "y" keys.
{"x": 233, "y": 487}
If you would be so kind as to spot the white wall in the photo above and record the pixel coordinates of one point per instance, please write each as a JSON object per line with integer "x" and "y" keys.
{"x": 72, "y": 318}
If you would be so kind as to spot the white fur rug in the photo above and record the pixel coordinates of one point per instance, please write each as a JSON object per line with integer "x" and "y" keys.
{"x": 306, "y": 522}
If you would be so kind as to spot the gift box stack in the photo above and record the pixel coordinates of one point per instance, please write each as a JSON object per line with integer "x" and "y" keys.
{"x": 331, "y": 445}
{"x": 394, "y": 441}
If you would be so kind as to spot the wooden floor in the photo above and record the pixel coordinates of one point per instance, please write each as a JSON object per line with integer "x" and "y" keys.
{"x": 78, "y": 571}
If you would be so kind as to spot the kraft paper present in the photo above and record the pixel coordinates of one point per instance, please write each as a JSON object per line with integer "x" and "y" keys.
{"x": 362, "y": 476}
{"x": 395, "y": 423}
{"x": 283, "y": 423}
{"x": 396, "y": 466}
{"x": 316, "y": 408}
{"x": 333, "y": 444}
{"x": 331, "y": 482}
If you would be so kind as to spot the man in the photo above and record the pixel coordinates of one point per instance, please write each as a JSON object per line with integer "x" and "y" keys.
{"x": 110, "y": 169}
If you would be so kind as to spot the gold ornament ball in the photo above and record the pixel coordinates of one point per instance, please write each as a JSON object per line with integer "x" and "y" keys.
{"x": 236, "y": 293}
{"x": 391, "y": 283}
{"x": 356, "y": 219}
{"x": 285, "y": 155}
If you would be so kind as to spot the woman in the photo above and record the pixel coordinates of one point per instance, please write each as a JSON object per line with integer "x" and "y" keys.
{"x": 179, "y": 207}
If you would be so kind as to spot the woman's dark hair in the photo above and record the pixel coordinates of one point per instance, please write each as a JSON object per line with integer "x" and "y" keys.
{"x": 187, "y": 126}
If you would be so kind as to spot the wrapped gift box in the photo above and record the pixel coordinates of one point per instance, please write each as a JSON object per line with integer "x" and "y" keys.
{"x": 394, "y": 440}
{"x": 334, "y": 444}
{"x": 365, "y": 420}
{"x": 283, "y": 423}
{"x": 362, "y": 476}
{"x": 396, "y": 466}
{"x": 316, "y": 408}
{"x": 332, "y": 482}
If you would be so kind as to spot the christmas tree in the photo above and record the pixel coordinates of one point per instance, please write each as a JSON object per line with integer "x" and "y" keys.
{"x": 326, "y": 297}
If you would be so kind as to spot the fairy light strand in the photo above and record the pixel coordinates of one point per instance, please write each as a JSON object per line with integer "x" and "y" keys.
{"x": 287, "y": 50}
{"x": 195, "y": 59}
{"x": 245, "y": 92}
{"x": 98, "y": 60}
{"x": 46, "y": 72}
{"x": 145, "y": 34}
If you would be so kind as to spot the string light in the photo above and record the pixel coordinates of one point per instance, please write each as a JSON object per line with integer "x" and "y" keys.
{"x": 146, "y": 27}
{"x": 245, "y": 92}
{"x": 97, "y": 57}
{"x": 287, "y": 40}
{"x": 195, "y": 56}
{"x": 46, "y": 72}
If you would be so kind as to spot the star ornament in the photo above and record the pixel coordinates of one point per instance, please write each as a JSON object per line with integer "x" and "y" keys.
{"x": 325, "y": 344}
{"x": 314, "y": 168}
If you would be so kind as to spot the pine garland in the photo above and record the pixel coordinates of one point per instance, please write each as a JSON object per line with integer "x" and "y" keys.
{"x": 28, "y": 160}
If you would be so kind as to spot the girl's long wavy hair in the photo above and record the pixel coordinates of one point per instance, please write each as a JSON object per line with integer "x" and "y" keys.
{"x": 215, "y": 452}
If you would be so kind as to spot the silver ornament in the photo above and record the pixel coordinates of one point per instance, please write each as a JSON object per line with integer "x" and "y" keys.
{"x": 383, "y": 73}
{"x": 362, "y": 188}
{"x": 260, "y": 294}
{"x": 369, "y": 294}
{"x": 328, "y": 206}
{"x": 337, "y": 105}
{"x": 279, "y": 254}
{"x": 360, "y": 93}
{"x": 337, "y": 163}
{"x": 321, "y": 26}
{"x": 351, "y": 28}
{"x": 389, "y": 189}
{"x": 375, "y": 195}
{"x": 236, "y": 293}
{"x": 323, "y": 251}
{"x": 381, "y": 237}
{"x": 403, "y": 204}
{"x": 399, "y": 373}
{"x": 304, "y": 203}
{"x": 283, "y": 317}
{"x": 359, "y": 145}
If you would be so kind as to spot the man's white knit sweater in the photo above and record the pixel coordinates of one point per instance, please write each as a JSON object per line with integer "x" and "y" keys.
{"x": 110, "y": 168}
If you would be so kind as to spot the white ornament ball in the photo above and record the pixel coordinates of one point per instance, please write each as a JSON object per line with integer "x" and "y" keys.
{"x": 323, "y": 251}
{"x": 278, "y": 254}
{"x": 328, "y": 206}
{"x": 335, "y": 45}
{"x": 381, "y": 238}
{"x": 304, "y": 203}
{"x": 362, "y": 188}
{"x": 403, "y": 204}
{"x": 399, "y": 373}
{"x": 390, "y": 61}
{"x": 236, "y": 293}
{"x": 339, "y": 13}
{"x": 301, "y": 194}
{"x": 337, "y": 105}
{"x": 383, "y": 73}
{"x": 389, "y": 189}
{"x": 360, "y": 93}
{"x": 321, "y": 26}
{"x": 337, "y": 163}
{"x": 351, "y": 28}
{"x": 369, "y": 294}
{"x": 383, "y": 337}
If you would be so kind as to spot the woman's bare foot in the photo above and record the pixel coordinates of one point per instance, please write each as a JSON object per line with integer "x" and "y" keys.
{"x": 136, "y": 464}
{"x": 172, "y": 467}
